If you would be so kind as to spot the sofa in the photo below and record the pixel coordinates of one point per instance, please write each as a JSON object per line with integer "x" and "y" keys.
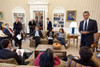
{"x": 69, "y": 63}
{"x": 45, "y": 40}
{"x": 13, "y": 63}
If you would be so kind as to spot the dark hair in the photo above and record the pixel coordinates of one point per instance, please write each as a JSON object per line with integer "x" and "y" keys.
{"x": 4, "y": 43}
{"x": 50, "y": 29}
{"x": 62, "y": 30}
{"x": 6, "y": 24}
{"x": 46, "y": 59}
{"x": 47, "y": 18}
{"x": 17, "y": 17}
{"x": 36, "y": 27}
{"x": 21, "y": 18}
{"x": 85, "y": 53}
{"x": 86, "y": 12}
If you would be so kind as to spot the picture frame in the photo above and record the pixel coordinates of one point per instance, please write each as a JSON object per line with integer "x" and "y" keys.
{"x": 1, "y": 15}
{"x": 71, "y": 15}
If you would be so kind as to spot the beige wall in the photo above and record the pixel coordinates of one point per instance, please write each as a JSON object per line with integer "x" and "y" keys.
{"x": 79, "y": 5}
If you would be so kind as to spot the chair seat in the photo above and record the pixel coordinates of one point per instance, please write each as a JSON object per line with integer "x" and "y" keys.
{"x": 56, "y": 41}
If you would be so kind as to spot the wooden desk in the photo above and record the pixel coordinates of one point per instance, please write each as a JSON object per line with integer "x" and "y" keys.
{"x": 73, "y": 37}
{"x": 95, "y": 59}
{"x": 42, "y": 48}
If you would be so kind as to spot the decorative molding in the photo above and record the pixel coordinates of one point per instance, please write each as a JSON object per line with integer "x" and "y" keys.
{"x": 39, "y": 5}
{"x": 59, "y": 9}
{"x": 38, "y": 2}
{"x": 18, "y": 9}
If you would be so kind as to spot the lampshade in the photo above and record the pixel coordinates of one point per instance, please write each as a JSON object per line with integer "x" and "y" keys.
{"x": 73, "y": 24}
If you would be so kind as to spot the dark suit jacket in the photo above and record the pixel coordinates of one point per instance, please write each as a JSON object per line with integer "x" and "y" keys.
{"x": 86, "y": 63}
{"x": 92, "y": 28}
{"x": 7, "y": 32}
{"x": 49, "y": 33}
{"x": 17, "y": 28}
{"x": 40, "y": 34}
{"x": 32, "y": 23}
{"x": 49, "y": 25}
{"x": 7, "y": 54}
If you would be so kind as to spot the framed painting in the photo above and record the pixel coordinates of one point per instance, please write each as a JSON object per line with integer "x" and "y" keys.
{"x": 71, "y": 15}
{"x": 1, "y": 15}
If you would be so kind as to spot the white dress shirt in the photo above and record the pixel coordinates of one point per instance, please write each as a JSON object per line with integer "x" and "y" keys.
{"x": 48, "y": 22}
{"x": 84, "y": 24}
{"x": 37, "y": 33}
{"x": 1, "y": 33}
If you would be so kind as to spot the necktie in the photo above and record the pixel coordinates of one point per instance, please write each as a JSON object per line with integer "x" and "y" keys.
{"x": 10, "y": 30}
{"x": 85, "y": 29}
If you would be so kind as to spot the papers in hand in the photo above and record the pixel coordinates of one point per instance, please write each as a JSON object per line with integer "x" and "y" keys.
{"x": 21, "y": 50}
{"x": 98, "y": 55}
{"x": 19, "y": 37}
{"x": 50, "y": 38}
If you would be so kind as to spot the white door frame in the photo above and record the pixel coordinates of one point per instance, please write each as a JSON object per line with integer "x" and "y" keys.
{"x": 39, "y": 5}
{"x": 43, "y": 17}
{"x": 18, "y": 9}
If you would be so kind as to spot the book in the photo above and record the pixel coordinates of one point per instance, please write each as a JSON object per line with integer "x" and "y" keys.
{"x": 19, "y": 37}
{"x": 21, "y": 50}
{"x": 98, "y": 55}
{"x": 50, "y": 38}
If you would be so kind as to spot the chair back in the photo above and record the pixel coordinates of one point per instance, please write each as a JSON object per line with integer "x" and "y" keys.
{"x": 71, "y": 63}
{"x": 96, "y": 37}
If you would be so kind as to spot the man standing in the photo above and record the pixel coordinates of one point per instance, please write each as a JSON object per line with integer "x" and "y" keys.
{"x": 87, "y": 29}
{"x": 17, "y": 26}
{"x": 32, "y": 25}
{"x": 49, "y": 24}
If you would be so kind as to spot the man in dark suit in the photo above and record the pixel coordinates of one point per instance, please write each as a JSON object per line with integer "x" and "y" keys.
{"x": 6, "y": 52}
{"x": 87, "y": 29}
{"x": 8, "y": 31}
{"x": 32, "y": 25}
{"x": 49, "y": 24}
{"x": 17, "y": 27}
{"x": 37, "y": 35}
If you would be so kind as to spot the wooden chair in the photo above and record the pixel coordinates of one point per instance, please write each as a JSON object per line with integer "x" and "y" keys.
{"x": 71, "y": 63}
{"x": 96, "y": 39}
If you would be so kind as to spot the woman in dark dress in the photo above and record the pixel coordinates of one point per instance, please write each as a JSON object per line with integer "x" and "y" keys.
{"x": 50, "y": 36}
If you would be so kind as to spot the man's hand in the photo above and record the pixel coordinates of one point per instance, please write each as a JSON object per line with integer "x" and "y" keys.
{"x": 30, "y": 38}
{"x": 47, "y": 37}
{"x": 76, "y": 58}
{"x": 54, "y": 56}
{"x": 12, "y": 49}
{"x": 12, "y": 34}
{"x": 19, "y": 52}
{"x": 84, "y": 32}
{"x": 41, "y": 38}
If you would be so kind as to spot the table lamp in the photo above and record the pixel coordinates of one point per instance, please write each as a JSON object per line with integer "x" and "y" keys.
{"x": 73, "y": 25}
